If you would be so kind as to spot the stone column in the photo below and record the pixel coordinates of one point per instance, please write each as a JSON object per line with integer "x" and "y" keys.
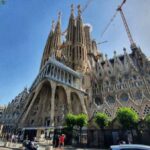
{"x": 53, "y": 85}
{"x": 81, "y": 96}
{"x": 46, "y": 70}
{"x": 68, "y": 92}
{"x": 68, "y": 78}
{"x": 60, "y": 74}
{"x": 57, "y": 74}
{"x": 72, "y": 83}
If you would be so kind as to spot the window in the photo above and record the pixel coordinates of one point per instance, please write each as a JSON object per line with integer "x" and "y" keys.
{"x": 98, "y": 101}
{"x": 124, "y": 97}
{"x": 138, "y": 95}
{"x": 110, "y": 99}
{"x": 32, "y": 121}
{"x": 80, "y": 52}
{"x": 134, "y": 77}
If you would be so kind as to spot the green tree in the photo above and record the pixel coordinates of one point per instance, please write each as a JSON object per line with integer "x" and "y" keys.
{"x": 127, "y": 117}
{"x": 81, "y": 120}
{"x": 147, "y": 121}
{"x": 101, "y": 119}
{"x": 70, "y": 120}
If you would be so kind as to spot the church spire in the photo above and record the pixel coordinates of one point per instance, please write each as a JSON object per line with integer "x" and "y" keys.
{"x": 80, "y": 52}
{"x": 79, "y": 11}
{"x": 71, "y": 26}
{"x": 72, "y": 10}
{"x": 79, "y": 37}
{"x": 48, "y": 47}
{"x": 68, "y": 51}
{"x": 57, "y": 34}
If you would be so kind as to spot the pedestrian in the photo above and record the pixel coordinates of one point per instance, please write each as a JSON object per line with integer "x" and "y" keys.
{"x": 12, "y": 138}
{"x": 56, "y": 140}
{"x": 129, "y": 138}
{"x": 7, "y": 136}
{"x": 61, "y": 140}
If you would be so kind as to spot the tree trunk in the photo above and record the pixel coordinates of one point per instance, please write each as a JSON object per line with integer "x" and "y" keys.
{"x": 80, "y": 135}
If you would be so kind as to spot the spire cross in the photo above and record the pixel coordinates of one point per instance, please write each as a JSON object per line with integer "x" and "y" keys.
{"x": 53, "y": 25}
{"x": 72, "y": 8}
{"x": 79, "y": 9}
{"x": 59, "y": 15}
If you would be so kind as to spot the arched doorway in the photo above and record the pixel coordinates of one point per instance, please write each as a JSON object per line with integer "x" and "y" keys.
{"x": 75, "y": 103}
{"x": 39, "y": 114}
{"x": 61, "y": 106}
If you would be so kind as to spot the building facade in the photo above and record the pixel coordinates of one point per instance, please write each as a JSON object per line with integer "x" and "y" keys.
{"x": 12, "y": 112}
{"x": 76, "y": 77}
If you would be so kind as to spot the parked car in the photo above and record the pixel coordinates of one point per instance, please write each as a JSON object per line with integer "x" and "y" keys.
{"x": 129, "y": 147}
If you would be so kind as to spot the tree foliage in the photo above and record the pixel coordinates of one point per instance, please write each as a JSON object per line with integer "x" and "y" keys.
{"x": 70, "y": 120}
{"x": 147, "y": 120}
{"x": 101, "y": 119}
{"x": 81, "y": 120}
{"x": 127, "y": 117}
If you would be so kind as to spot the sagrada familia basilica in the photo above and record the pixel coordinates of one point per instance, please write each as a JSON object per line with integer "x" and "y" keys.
{"x": 76, "y": 77}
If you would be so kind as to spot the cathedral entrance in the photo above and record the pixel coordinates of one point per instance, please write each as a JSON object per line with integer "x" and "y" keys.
{"x": 61, "y": 108}
{"x": 40, "y": 113}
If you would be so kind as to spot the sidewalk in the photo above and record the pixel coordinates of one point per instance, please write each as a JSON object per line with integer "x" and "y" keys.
{"x": 18, "y": 146}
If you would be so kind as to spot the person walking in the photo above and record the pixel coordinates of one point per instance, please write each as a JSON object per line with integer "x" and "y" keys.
{"x": 61, "y": 140}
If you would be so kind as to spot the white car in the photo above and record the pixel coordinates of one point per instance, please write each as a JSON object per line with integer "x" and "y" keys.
{"x": 129, "y": 147}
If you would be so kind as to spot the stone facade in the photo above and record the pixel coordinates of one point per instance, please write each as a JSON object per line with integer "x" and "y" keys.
{"x": 75, "y": 77}
{"x": 2, "y": 108}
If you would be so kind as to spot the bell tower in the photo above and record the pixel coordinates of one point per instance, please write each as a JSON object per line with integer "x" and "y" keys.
{"x": 80, "y": 52}
{"x": 68, "y": 51}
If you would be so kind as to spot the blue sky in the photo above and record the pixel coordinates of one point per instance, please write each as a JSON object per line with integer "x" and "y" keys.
{"x": 25, "y": 25}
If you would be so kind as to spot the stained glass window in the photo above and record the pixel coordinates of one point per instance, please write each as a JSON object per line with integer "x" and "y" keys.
{"x": 124, "y": 97}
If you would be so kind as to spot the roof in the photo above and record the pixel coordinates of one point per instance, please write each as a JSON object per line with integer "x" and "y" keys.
{"x": 52, "y": 60}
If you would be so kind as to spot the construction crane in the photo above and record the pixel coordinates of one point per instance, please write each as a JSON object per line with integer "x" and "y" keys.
{"x": 125, "y": 24}
{"x": 86, "y": 5}
{"x": 101, "y": 42}
{"x": 119, "y": 9}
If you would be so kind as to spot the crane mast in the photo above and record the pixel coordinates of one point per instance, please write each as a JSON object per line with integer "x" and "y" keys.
{"x": 133, "y": 45}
